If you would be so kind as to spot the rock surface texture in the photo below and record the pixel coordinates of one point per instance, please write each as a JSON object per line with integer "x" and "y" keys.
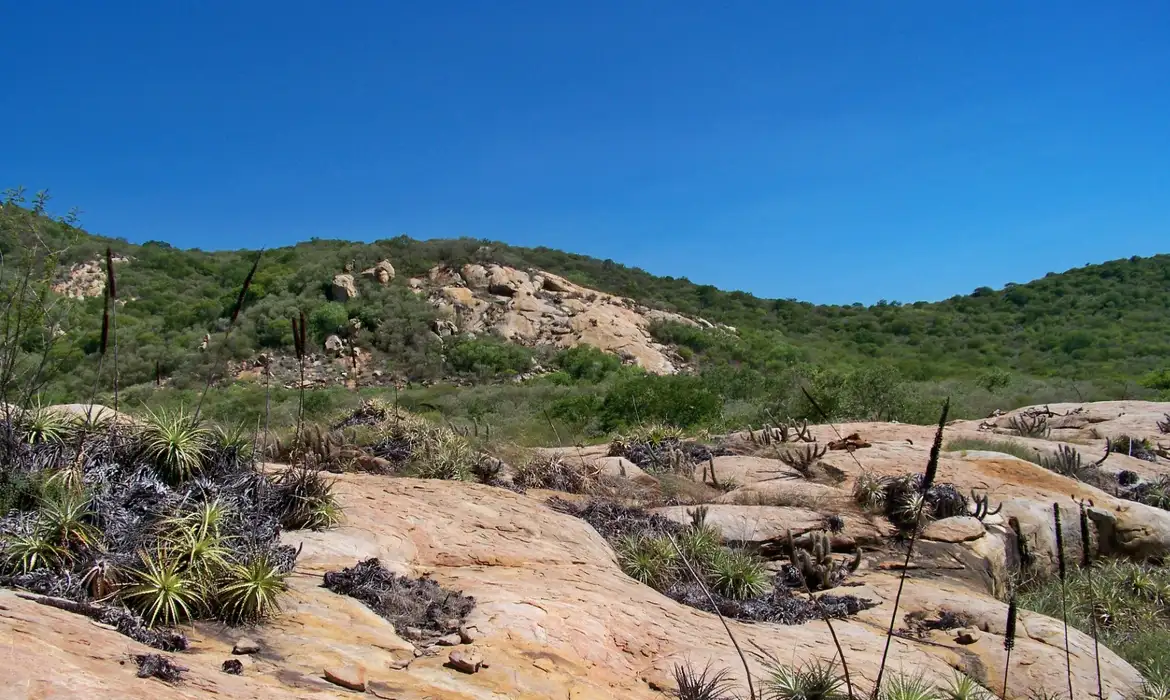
{"x": 539, "y": 308}
{"x": 557, "y": 618}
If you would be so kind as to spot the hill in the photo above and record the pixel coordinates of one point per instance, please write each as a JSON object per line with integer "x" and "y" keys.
{"x": 1090, "y": 333}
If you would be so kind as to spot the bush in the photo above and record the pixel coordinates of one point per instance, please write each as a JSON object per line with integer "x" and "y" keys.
{"x": 328, "y": 319}
{"x": 488, "y": 357}
{"x": 585, "y": 363}
{"x": 680, "y": 400}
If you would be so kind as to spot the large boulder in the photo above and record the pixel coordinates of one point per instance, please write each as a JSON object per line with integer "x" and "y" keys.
{"x": 382, "y": 273}
{"x": 343, "y": 288}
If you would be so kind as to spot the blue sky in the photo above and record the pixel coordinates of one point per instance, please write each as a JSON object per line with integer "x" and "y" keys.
{"x": 831, "y": 152}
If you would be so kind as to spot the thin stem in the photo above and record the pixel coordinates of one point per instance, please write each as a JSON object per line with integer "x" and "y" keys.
{"x": 727, "y": 628}
{"x": 1007, "y": 667}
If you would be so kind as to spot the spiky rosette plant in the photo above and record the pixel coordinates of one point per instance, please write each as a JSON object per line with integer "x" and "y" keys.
{"x": 176, "y": 442}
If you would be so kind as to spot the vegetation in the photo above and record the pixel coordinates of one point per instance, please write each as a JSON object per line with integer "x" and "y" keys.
{"x": 1008, "y": 447}
{"x": 1126, "y": 600}
{"x": 419, "y": 609}
{"x": 1089, "y": 333}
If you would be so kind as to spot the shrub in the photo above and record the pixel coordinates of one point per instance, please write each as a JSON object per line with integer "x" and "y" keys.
{"x": 327, "y": 319}
{"x": 678, "y": 400}
{"x": 163, "y": 592}
{"x": 902, "y": 686}
{"x": 41, "y": 425}
{"x": 306, "y": 500}
{"x": 649, "y": 560}
{"x": 586, "y": 363}
{"x": 488, "y": 357}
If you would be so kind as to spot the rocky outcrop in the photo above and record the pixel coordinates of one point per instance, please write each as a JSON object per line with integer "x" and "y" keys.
{"x": 343, "y": 288}
{"x": 555, "y": 617}
{"x": 85, "y": 279}
{"x": 534, "y": 307}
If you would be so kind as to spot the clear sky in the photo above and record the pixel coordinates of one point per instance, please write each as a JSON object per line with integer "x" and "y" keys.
{"x": 831, "y": 151}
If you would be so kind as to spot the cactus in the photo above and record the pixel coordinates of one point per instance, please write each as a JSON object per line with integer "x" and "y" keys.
{"x": 803, "y": 458}
{"x": 816, "y": 566}
{"x": 1028, "y": 424}
{"x": 982, "y": 507}
{"x": 698, "y": 516}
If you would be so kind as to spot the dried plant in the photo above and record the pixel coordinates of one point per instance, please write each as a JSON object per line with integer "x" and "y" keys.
{"x": 1063, "y": 572}
{"x": 927, "y": 480}
{"x": 1087, "y": 564}
{"x": 112, "y": 301}
{"x": 239, "y": 305}
{"x": 1009, "y": 639}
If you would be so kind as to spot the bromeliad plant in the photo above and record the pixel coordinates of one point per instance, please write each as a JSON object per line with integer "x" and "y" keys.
{"x": 176, "y": 442}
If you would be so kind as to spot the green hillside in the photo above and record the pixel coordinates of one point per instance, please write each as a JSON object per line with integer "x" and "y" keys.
{"x": 1093, "y": 332}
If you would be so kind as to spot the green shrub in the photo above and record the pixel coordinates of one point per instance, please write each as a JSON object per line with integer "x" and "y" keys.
{"x": 488, "y": 357}
{"x": 585, "y": 363}
{"x": 328, "y": 319}
{"x": 680, "y": 400}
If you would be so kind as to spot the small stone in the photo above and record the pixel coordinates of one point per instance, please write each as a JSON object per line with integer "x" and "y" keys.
{"x": 232, "y": 666}
{"x": 351, "y": 677}
{"x": 414, "y": 633}
{"x": 967, "y": 635}
{"x": 400, "y": 664}
{"x": 465, "y": 660}
{"x": 246, "y": 646}
{"x": 449, "y": 640}
{"x": 468, "y": 635}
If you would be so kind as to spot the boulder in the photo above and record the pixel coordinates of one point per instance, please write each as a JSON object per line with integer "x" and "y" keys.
{"x": 476, "y": 276}
{"x": 507, "y": 281}
{"x": 444, "y": 328}
{"x": 334, "y": 344}
{"x": 343, "y": 288}
{"x": 382, "y": 273}
{"x": 961, "y": 528}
